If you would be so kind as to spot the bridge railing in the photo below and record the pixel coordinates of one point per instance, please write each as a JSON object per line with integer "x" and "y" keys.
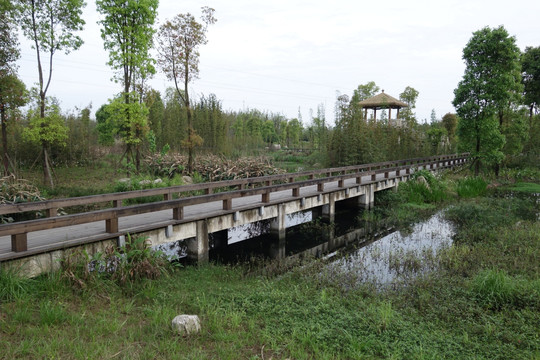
{"x": 245, "y": 187}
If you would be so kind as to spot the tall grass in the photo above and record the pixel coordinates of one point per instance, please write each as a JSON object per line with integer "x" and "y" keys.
{"x": 471, "y": 187}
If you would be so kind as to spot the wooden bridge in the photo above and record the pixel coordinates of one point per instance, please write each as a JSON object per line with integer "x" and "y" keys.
{"x": 35, "y": 246}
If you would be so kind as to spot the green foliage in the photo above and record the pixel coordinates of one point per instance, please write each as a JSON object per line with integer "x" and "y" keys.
{"x": 37, "y": 17}
{"x": 50, "y": 129}
{"x": 127, "y": 34}
{"x": 530, "y": 61}
{"x": 471, "y": 187}
{"x": 104, "y": 126}
{"x": 490, "y": 83}
{"x": 429, "y": 190}
{"x": 128, "y": 119}
{"x": 9, "y": 51}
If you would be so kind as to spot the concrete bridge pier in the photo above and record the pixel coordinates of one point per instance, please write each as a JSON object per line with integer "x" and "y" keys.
{"x": 198, "y": 247}
{"x": 278, "y": 231}
{"x": 328, "y": 211}
{"x": 367, "y": 200}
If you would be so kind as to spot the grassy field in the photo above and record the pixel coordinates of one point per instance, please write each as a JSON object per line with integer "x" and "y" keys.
{"x": 483, "y": 303}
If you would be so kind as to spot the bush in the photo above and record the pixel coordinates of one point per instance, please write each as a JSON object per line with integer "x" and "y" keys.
{"x": 423, "y": 187}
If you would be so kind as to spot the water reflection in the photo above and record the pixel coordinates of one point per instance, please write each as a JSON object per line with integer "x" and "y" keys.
{"x": 397, "y": 256}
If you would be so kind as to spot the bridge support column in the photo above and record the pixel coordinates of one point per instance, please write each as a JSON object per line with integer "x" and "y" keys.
{"x": 198, "y": 247}
{"x": 329, "y": 210}
{"x": 278, "y": 230}
{"x": 366, "y": 201}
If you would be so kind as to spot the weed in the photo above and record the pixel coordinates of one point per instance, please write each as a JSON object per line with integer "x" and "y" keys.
{"x": 12, "y": 287}
{"x": 130, "y": 263}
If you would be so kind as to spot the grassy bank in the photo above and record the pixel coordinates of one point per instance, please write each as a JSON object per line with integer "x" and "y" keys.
{"x": 483, "y": 303}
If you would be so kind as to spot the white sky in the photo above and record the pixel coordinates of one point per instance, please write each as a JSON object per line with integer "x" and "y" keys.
{"x": 282, "y": 55}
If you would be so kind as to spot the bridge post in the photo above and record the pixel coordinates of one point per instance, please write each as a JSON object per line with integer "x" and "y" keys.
{"x": 19, "y": 242}
{"x": 278, "y": 230}
{"x": 198, "y": 247}
{"x": 366, "y": 201}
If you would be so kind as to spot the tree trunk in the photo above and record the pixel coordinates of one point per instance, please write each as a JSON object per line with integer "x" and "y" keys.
{"x": 477, "y": 164}
{"x": 47, "y": 177}
{"x": 4, "y": 139}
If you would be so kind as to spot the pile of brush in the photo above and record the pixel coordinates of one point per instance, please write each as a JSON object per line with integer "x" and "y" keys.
{"x": 211, "y": 167}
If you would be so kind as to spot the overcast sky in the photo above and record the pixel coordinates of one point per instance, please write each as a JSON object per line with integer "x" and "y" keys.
{"x": 285, "y": 55}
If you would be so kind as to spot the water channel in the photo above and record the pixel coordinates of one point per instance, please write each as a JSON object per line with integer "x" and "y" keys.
{"x": 358, "y": 250}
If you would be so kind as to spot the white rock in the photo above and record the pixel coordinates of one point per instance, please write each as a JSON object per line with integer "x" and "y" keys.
{"x": 124, "y": 180}
{"x": 145, "y": 182}
{"x": 158, "y": 181}
{"x": 187, "y": 179}
{"x": 186, "y": 324}
{"x": 422, "y": 180}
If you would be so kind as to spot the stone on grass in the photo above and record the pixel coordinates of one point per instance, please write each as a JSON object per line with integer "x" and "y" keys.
{"x": 187, "y": 179}
{"x": 186, "y": 324}
{"x": 422, "y": 180}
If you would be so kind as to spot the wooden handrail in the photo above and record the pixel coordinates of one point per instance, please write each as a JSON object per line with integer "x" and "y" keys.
{"x": 52, "y": 205}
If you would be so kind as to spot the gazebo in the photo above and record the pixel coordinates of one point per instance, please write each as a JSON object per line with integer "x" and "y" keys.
{"x": 382, "y": 101}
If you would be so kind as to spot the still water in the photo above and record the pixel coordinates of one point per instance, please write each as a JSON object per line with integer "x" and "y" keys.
{"x": 377, "y": 255}
{"x": 395, "y": 257}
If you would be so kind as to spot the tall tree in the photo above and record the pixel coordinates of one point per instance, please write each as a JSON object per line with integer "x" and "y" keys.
{"x": 11, "y": 88}
{"x": 489, "y": 85}
{"x": 179, "y": 40}
{"x": 530, "y": 62}
{"x": 12, "y": 96}
{"x": 127, "y": 34}
{"x": 51, "y": 26}
{"x": 409, "y": 97}
{"x": 9, "y": 45}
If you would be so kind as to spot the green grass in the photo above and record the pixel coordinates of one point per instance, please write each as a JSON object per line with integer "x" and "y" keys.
{"x": 482, "y": 303}
{"x": 530, "y": 188}
{"x": 469, "y": 187}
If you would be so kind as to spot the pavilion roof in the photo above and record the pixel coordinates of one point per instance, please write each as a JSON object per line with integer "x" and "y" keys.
{"x": 382, "y": 101}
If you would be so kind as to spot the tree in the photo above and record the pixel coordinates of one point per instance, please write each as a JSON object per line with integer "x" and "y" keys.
{"x": 9, "y": 45}
{"x": 12, "y": 96}
{"x": 409, "y": 97}
{"x": 530, "y": 62}
{"x": 449, "y": 121}
{"x": 365, "y": 91}
{"x": 11, "y": 88}
{"x": 49, "y": 129}
{"x": 127, "y": 34}
{"x": 51, "y": 26}
{"x": 128, "y": 119}
{"x": 179, "y": 40}
{"x": 489, "y": 86}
